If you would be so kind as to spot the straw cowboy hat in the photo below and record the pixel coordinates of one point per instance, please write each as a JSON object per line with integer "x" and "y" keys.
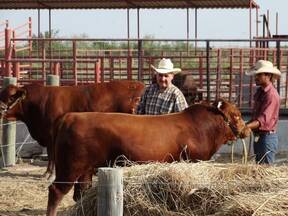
{"x": 263, "y": 66}
{"x": 166, "y": 66}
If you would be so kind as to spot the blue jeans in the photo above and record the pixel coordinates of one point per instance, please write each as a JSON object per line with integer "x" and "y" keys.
{"x": 265, "y": 148}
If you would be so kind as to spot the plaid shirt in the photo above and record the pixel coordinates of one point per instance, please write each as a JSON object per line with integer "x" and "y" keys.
{"x": 157, "y": 102}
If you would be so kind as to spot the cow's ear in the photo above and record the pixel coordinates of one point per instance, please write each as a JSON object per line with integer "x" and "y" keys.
{"x": 220, "y": 104}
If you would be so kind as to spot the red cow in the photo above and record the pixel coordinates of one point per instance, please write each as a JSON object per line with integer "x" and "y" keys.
{"x": 86, "y": 141}
{"x": 39, "y": 107}
{"x": 186, "y": 83}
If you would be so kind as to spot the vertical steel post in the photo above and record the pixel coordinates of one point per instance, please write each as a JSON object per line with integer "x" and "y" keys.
{"x": 231, "y": 74}
{"x": 75, "y": 62}
{"x": 218, "y": 73}
{"x": 257, "y": 22}
{"x": 102, "y": 69}
{"x": 97, "y": 72}
{"x": 277, "y": 23}
{"x": 128, "y": 30}
{"x": 43, "y": 60}
{"x": 278, "y": 62}
{"x": 208, "y": 69}
{"x": 138, "y": 23}
{"x": 250, "y": 23}
{"x": 241, "y": 79}
{"x": 196, "y": 28}
{"x": 39, "y": 25}
{"x": 50, "y": 42}
{"x": 129, "y": 64}
{"x": 8, "y": 52}
{"x": 187, "y": 30}
{"x": 140, "y": 60}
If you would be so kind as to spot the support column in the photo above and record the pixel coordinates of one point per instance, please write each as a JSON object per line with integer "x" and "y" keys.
{"x": 9, "y": 134}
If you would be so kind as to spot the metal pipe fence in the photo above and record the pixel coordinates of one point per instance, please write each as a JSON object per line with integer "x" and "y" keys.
{"x": 217, "y": 66}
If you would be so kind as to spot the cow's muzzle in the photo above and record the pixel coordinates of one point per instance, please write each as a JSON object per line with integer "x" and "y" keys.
{"x": 3, "y": 108}
{"x": 242, "y": 133}
{"x": 245, "y": 132}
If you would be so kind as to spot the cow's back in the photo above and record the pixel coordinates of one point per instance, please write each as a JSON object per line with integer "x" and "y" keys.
{"x": 44, "y": 105}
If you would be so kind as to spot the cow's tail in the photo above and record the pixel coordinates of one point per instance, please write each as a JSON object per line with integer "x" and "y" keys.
{"x": 56, "y": 131}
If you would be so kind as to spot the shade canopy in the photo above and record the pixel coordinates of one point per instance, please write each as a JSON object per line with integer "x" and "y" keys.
{"x": 124, "y": 4}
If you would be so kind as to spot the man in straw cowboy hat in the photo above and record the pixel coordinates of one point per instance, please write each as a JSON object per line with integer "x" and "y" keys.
{"x": 162, "y": 97}
{"x": 265, "y": 113}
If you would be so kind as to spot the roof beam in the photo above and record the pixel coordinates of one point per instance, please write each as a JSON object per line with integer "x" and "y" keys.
{"x": 190, "y": 3}
{"x": 132, "y": 4}
{"x": 43, "y": 4}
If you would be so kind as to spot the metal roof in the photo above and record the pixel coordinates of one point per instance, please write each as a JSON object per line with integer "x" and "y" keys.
{"x": 124, "y": 4}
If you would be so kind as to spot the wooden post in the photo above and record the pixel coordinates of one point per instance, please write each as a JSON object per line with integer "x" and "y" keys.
{"x": 56, "y": 68}
{"x": 16, "y": 67}
{"x": 110, "y": 192}
{"x": 9, "y": 133}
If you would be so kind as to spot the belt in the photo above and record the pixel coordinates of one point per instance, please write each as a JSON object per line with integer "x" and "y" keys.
{"x": 266, "y": 132}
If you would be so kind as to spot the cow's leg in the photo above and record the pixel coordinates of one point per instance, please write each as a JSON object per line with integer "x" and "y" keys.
{"x": 84, "y": 182}
{"x": 56, "y": 194}
{"x": 50, "y": 171}
{"x": 49, "y": 143}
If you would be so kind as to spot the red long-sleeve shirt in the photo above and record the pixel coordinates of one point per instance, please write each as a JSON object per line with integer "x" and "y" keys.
{"x": 266, "y": 108}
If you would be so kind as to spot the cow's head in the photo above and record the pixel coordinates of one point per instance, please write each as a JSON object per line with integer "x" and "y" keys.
{"x": 10, "y": 99}
{"x": 186, "y": 83}
{"x": 135, "y": 92}
{"x": 232, "y": 117}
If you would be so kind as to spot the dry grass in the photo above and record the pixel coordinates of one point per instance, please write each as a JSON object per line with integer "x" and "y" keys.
{"x": 203, "y": 188}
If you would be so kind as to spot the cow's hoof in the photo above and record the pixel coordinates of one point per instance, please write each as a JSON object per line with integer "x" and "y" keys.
{"x": 51, "y": 177}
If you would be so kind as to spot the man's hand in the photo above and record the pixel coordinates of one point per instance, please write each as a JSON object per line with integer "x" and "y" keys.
{"x": 246, "y": 132}
{"x": 253, "y": 124}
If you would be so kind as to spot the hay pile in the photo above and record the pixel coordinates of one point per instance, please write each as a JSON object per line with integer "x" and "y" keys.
{"x": 203, "y": 188}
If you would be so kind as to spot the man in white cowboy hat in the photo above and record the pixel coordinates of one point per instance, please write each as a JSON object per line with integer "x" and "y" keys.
{"x": 265, "y": 113}
{"x": 162, "y": 97}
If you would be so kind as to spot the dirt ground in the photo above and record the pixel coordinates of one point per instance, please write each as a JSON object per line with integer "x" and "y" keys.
{"x": 24, "y": 190}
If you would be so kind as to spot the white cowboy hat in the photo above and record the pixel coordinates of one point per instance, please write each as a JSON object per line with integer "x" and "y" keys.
{"x": 263, "y": 66}
{"x": 166, "y": 66}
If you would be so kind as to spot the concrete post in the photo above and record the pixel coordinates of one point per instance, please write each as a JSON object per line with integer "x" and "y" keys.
{"x": 9, "y": 133}
{"x": 110, "y": 192}
{"x": 52, "y": 80}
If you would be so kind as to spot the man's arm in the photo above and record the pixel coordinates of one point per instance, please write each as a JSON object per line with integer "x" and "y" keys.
{"x": 180, "y": 103}
{"x": 253, "y": 124}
